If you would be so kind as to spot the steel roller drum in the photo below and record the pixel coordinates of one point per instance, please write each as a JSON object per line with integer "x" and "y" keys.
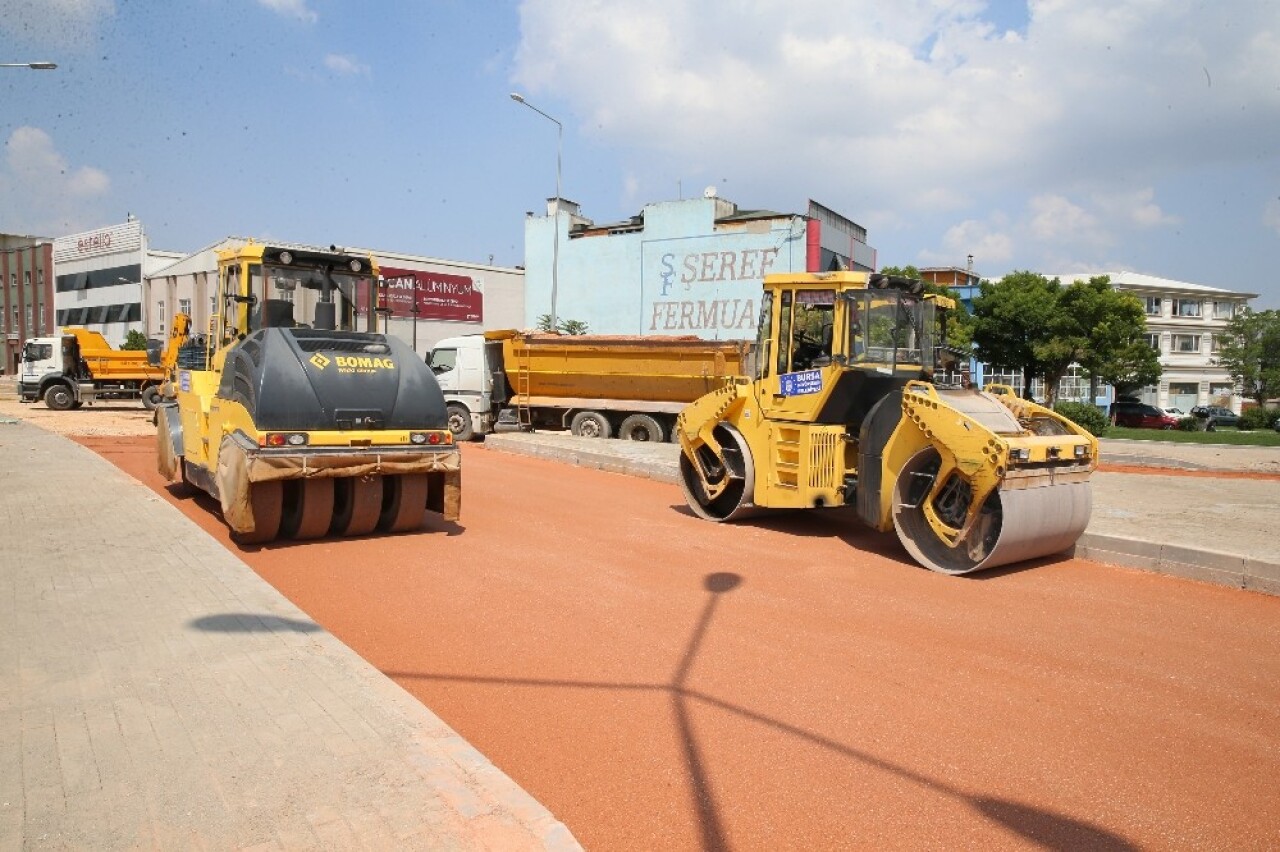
{"x": 1021, "y": 524}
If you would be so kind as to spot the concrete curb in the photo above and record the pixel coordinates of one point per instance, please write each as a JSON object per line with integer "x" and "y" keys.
{"x": 1208, "y": 566}
{"x": 660, "y": 463}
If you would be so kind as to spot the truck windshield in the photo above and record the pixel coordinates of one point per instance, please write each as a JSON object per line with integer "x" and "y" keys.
{"x": 37, "y": 351}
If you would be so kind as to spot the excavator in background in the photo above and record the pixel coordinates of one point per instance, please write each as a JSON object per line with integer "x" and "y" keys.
{"x": 843, "y": 410}
{"x": 300, "y": 424}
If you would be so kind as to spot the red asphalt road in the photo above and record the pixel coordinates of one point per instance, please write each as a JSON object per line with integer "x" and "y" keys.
{"x": 660, "y": 682}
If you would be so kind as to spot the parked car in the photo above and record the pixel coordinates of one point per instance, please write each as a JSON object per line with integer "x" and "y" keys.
{"x": 1216, "y": 415}
{"x": 1139, "y": 415}
{"x": 1176, "y": 412}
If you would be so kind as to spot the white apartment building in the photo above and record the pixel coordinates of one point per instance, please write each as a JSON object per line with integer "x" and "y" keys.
{"x": 1184, "y": 322}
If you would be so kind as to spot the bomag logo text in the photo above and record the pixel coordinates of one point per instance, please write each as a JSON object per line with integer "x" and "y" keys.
{"x": 362, "y": 364}
{"x": 353, "y": 363}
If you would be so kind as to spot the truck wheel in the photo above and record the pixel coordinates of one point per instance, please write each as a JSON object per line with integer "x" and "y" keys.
{"x": 460, "y": 422}
{"x": 590, "y": 424}
{"x": 151, "y": 397}
{"x": 59, "y": 398}
{"x": 641, "y": 427}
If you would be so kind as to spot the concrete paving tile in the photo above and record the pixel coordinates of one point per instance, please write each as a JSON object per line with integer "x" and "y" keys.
{"x": 75, "y": 753}
{"x": 40, "y": 758}
{"x": 369, "y": 829}
{"x": 295, "y": 833}
{"x": 334, "y": 834}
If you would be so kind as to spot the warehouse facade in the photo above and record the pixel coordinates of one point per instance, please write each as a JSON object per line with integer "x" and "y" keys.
{"x": 100, "y": 276}
{"x": 688, "y": 267}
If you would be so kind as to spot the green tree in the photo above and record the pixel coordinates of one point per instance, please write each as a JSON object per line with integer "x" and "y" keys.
{"x": 1250, "y": 351}
{"x": 1015, "y": 320}
{"x": 1028, "y": 322}
{"x": 134, "y": 340}
{"x": 1110, "y": 326}
{"x": 563, "y": 326}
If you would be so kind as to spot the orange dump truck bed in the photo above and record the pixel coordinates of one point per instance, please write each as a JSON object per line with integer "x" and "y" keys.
{"x": 614, "y": 367}
{"x": 106, "y": 364}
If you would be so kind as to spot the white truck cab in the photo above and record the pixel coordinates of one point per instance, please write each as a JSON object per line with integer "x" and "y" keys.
{"x": 41, "y": 356}
{"x": 465, "y": 368}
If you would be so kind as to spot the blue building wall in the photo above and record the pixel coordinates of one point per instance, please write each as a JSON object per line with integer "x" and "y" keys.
{"x": 679, "y": 273}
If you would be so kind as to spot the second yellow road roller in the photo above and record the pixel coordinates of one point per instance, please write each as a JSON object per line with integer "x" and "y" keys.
{"x": 843, "y": 409}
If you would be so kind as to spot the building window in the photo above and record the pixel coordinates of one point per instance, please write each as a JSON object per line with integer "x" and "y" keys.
{"x": 1186, "y": 344}
{"x": 1223, "y": 310}
{"x": 1215, "y": 343}
{"x": 161, "y": 314}
{"x": 1221, "y": 393}
{"x": 1153, "y": 340}
{"x": 30, "y": 315}
{"x": 26, "y": 278}
{"x": 1153, "y": 304}
{"x": 1186, "y": 307}
{"x": 184, "y": 306}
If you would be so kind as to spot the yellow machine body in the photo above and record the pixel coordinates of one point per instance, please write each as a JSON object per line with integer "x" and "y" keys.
{"x": 299, "y": 423}
{"x": 841, "y": 410}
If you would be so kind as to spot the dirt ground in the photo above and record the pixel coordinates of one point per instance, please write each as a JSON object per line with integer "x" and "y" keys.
{"x": 664, "y": 683}
{"x": 124, "y": 418}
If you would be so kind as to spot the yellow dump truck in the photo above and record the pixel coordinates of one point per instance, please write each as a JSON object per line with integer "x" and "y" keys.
{"x": 596, "y": 386}
{"x": 81, "y": 366}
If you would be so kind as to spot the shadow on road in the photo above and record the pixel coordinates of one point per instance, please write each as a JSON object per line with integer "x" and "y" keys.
{"x": 247, "y": 622}
{"x": 1045, "y": 828}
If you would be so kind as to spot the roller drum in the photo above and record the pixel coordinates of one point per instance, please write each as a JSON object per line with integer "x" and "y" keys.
{"x": 736, "y": 469}
{"x": 1015, "y": 524}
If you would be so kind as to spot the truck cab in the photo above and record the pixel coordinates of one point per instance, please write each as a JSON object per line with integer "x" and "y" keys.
{"x": 41, "y": 358}
{"x": 465, "y": 369}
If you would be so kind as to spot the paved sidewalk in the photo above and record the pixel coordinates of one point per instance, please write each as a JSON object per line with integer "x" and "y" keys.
{"x": 156, "y": 693}
{"x": 1216, "y": 529}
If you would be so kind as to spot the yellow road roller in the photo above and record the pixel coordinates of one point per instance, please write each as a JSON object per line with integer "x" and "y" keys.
{"x": 298, "y": 422}
{"x": 843, "y": 410}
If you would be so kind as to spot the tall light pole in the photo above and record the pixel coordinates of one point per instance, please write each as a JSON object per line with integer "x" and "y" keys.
{"x": 34, "y": 66}
{"x": 555, "y": 246}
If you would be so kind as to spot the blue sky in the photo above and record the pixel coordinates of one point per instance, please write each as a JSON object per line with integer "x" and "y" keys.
{"x": 1141, "y": 135}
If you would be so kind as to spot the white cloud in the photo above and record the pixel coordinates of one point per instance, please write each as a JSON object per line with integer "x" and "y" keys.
{"x": 922, "y": 107}
{"x": 291, "y": 9}
{"x": 981, "y": 239}
{"x": 1137, "y": 208}
{"x": 40, "y": 193}
{"x": 1056, "y": 219}
{"x": 346, "y": 65}
{"x": 61, "y": 24}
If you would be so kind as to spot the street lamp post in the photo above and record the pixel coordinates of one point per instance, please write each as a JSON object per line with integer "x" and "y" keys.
{"x": 34, "y": 66}
{"x": 555, "y": 246}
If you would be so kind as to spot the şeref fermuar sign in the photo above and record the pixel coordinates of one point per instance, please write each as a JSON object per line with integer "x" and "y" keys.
{"x": 438, "y": 295}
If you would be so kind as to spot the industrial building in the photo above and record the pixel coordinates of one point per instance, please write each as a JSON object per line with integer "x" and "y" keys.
{"x": 100, "y": 279}
{"x": 687, "y": 267}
